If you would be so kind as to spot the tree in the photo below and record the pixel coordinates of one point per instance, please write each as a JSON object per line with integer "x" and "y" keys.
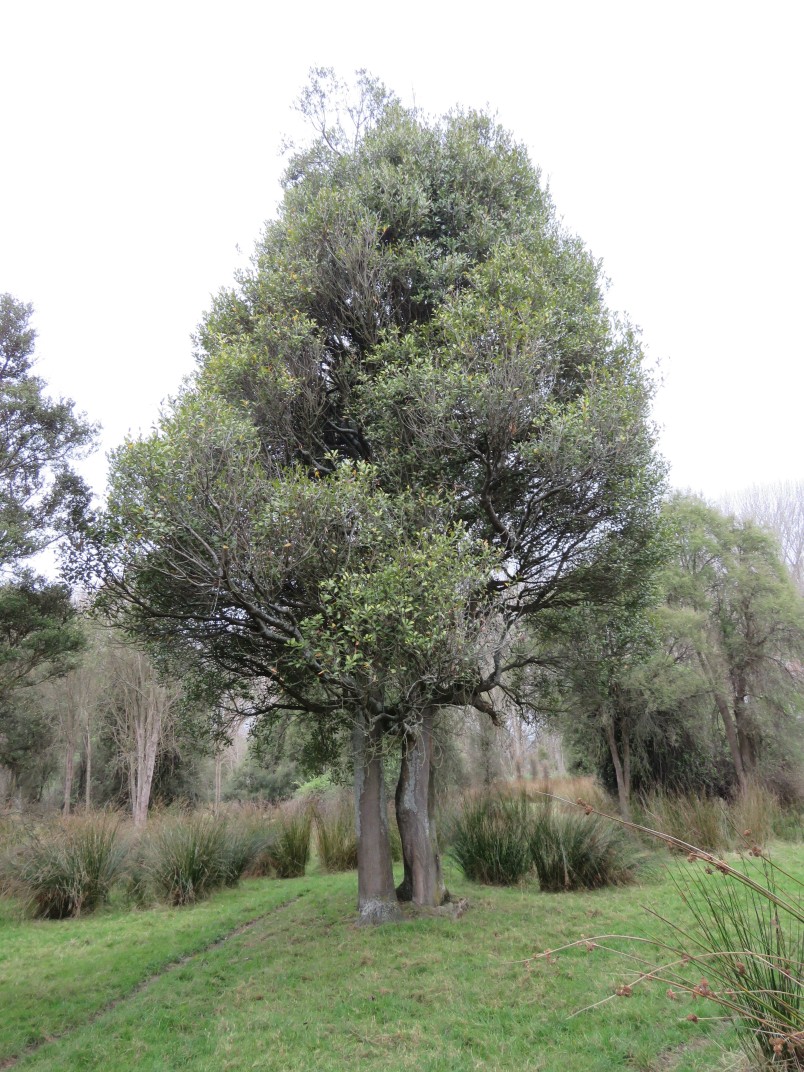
{"x": 745, "y": 627}
{"x": 41, "y": 499}
{"x": 141, "y": 712}
{"x": 414, "y": 425}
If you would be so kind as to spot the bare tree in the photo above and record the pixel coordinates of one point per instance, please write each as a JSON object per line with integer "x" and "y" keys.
{"x": 778, "y": 507}
{"x": 72, "y": 699}
{"x": 142, "y": 713}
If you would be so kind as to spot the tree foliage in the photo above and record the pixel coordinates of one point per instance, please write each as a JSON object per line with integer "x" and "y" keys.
{"x": 414, "y": 424}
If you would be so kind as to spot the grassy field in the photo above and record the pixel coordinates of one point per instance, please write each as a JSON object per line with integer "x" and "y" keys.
{"x": 273, "y": 975}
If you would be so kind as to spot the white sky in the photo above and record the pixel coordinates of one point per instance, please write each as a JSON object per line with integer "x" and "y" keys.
{"x": 139, "y": 148}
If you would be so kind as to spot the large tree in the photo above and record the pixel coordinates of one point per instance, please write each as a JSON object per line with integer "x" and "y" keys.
{"x": 41, "y": 500}
{"x": 414, "y": 424}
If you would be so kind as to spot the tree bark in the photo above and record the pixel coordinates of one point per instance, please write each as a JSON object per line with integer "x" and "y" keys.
{"x": 376, "y": 896}
{"x": 622, "y": 771}
{"x": 423, "y": 882}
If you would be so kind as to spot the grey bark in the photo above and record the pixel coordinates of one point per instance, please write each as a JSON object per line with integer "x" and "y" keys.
{"x": 622, "y": 770}
{"x": 423, "y": 881}
{"x": 376, "y": 896}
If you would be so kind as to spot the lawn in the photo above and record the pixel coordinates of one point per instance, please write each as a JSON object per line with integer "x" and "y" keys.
{"x": 273, "y": 975}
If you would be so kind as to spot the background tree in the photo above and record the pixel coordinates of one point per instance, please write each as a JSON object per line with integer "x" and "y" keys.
{"x": 414, "y": 425}
{"x": 41, "y": 499}
{"x": 745, "y": 626}
{"x": 779, "y": 508}
{"x": 141, "y": 712}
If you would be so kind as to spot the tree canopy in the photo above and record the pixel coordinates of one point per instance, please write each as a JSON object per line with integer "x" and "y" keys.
{"x": 414, "y": 424}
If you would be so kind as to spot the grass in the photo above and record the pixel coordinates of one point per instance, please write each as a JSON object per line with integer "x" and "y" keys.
{"x": 302, "y": 988}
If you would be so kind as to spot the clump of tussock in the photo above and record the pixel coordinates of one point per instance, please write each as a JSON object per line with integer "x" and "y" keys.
{"x": 289, "y": 851}
{"x": 491, "y": 839}
{"x": 336, "y": 838}
{"x": 574, "y": 851}
{"x": 67, "y": 869}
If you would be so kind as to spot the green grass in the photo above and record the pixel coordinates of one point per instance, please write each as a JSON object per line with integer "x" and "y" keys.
{"x": 302, "y": 988}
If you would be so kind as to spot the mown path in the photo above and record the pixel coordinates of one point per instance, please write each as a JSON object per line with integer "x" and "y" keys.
{"x": 58, "y": 977}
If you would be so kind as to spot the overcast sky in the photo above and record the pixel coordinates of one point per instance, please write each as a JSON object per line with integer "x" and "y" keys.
{"x": 140, "y": 144}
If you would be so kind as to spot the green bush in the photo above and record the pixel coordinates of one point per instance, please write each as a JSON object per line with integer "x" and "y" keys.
{"x": 68, "y": 869}
{"x": 491, "y": 840}
{"x": 335, "y": 834}
{"x": 573, "y": 851}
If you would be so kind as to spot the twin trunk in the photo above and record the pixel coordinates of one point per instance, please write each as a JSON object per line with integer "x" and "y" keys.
{"x": 422, "y": 883}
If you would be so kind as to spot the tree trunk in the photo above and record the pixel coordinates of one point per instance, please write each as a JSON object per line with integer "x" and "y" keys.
{"x": 746, "y": 730}
{"x": 88, "y": 788}
{"x": 731, "y": 736}
{"x": 376, "y": 896}
{"x": 218, "y": 778}
{"x": 423, "y": 882}
{"x": 622, "y": 772}
{"x": 727, "y": 719}
{"x": 69, "y": 771}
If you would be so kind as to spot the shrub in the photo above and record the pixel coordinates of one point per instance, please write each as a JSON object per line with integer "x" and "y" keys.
{"x": 290, "y": 851}
{"x": 490, "y": 840}
{"x": 335, "y": 834}
{"x": 573, "y": 851}
{"x": 68, "y": 869}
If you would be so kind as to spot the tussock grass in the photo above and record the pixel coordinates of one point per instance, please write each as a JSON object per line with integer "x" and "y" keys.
{"x": 713, "y": 824}
{"x": 182, "y": 859}
{"x": 501, "y": 840}
{"x": 574, "y": 851}
{"x": 289, "y": 851}
{"x": 491, "y": 840}
{"x": 67, "y": 868}
{"x": 336, "y": 839}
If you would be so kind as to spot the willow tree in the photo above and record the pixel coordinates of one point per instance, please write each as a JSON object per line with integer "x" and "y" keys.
{"x": 414, "y": 424}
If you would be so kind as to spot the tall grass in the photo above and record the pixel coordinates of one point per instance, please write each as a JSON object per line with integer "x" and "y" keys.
{"x": 500, "y": 840}
{"x": 572, "y": 851}
{"x": 336, "y": 837}
{"x": 66, "y": 869}
{"x": 289, "y": 851}
{"x": 183, "y": 859}
{"x": 710, "y": 823}
{"x": 491, "y": 840}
